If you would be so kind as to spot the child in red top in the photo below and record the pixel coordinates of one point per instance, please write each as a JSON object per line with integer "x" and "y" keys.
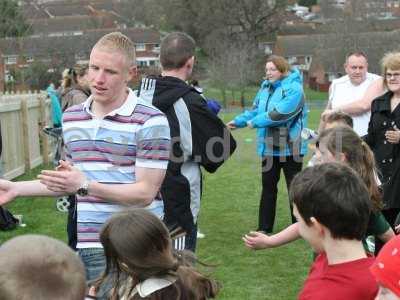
{"x": 332, "y": 207}
{"x": 386, "y": 270}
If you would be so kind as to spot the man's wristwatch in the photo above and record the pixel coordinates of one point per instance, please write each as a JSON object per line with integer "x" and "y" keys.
{"x": 84, "y": 189}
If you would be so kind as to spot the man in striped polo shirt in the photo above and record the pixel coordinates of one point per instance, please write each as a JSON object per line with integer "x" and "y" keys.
{"x": 118, "y": 145}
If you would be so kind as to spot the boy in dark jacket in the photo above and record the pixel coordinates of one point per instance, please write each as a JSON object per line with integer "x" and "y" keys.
{"x": 198, "y": 136}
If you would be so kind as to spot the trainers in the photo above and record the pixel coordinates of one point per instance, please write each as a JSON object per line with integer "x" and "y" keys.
{"x": 200, "y": 235}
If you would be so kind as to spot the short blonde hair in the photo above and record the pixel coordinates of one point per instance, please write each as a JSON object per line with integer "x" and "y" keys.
{"x": 390, "y": 60}
{"x": 40, "y": 267}
{"x": 116, "y": 41}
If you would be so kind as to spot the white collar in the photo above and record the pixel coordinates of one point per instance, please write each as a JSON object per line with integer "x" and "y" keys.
{"x": 126, "y": 109}
{"x": 153, "y": 284}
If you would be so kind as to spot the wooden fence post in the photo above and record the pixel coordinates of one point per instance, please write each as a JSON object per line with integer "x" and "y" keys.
{"x": 25, "y": 134}
{"x": 43, "y": 137}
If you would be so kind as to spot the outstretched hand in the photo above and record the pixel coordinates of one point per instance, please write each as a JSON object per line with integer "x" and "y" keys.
{"x": 256, "y": 240}
{"x": 231, "y": 125}
{"x": 8, "y": 191}
{"x": 64, "y": 166}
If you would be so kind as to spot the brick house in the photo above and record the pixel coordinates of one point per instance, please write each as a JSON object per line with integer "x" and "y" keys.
{"x": 321, "y": 56}
{"x": 64, "y": 51}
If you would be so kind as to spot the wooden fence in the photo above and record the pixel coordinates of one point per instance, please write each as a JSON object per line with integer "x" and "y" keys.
{"x": 22, "y": 117}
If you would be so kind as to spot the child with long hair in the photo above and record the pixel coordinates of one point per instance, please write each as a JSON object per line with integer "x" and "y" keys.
{"x": 141, "y": 264}
{"x": 340, "y": 144}
{"x": 75, "y": 86}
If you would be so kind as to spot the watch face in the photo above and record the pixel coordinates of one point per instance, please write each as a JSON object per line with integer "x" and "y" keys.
{"x": 82, "y": 192}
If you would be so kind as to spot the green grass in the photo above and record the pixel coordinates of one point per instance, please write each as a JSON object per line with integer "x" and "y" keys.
{"x": 229, "y": 210}
{"x": 39, "y": 214}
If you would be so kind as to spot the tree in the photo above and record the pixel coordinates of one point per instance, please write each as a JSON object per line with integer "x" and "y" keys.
{"x": 12, "y": 23}
{"x": 228, "y": 32}
{"x": 234, "y": 65}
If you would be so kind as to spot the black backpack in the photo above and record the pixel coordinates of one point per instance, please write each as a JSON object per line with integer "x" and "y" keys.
{"x": 7, "y": 220}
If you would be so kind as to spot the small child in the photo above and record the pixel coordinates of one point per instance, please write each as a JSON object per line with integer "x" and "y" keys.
{"x": 40, "y": 267}
{"x": 142, "y": 264}
{"x": 333, "y": 120}
{"x": 338, "y": 119}
{"x": 332, "y": 206}
{"x": 386, "y": 270}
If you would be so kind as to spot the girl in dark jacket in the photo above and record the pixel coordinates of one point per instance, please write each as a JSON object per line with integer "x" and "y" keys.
{"x": 384, "y": 135}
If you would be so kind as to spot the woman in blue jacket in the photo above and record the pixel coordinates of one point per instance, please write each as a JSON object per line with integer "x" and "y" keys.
{"x": 279, "y": 115}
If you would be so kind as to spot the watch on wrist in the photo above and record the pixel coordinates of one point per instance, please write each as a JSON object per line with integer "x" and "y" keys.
{"x": 84, "y": 189}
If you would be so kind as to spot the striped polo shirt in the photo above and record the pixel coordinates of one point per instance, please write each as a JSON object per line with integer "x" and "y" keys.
{"x": 107, "y": 150}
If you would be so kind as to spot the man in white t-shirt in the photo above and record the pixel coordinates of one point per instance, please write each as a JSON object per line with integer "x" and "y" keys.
{"x": 350, "y": 89}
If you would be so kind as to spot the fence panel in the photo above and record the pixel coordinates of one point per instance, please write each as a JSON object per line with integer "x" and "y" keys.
{"x": 22, "y": 117}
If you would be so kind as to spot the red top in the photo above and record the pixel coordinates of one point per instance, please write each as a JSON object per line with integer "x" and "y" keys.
{"x": 387, "y": 265}
{"x": 350, "y": 280}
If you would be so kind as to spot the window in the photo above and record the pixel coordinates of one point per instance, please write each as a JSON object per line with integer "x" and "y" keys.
{"x": 140, "y": 47}
{"x": 156, "y": 48}
{"x": 55, "y": 34}
{"x": 10, "y": 59}
{"x": 80, "y": 56}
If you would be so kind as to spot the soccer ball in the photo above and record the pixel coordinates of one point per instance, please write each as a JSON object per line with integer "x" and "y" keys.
{"x": 62, "y": 204}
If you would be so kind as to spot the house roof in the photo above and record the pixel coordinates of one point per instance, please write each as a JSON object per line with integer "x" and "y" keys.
{"x": 297, "y": 29}
{"x": 71, "y": 23}
{"x": 33, "y": 11}
{"x": 68, "y": 10}
{"x": 80, "y": 44}
{"x": 373, "y": 44}
{"x": 62, "y": 8}
{"x": 302, "y": 45}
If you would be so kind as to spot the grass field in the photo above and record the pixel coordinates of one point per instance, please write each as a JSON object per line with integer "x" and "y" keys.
{"x": 250, "y": 92}
{"x": 229, "y": 210}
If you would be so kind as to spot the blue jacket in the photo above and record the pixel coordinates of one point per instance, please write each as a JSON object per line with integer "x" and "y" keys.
{"x": 56, "y": 113}
{"x": 278, "y": 108}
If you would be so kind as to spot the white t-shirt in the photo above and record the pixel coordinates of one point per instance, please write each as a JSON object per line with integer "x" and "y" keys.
{"x": 342, "y": 92}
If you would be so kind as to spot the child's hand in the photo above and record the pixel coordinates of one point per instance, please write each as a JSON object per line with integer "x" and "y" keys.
{"x": 256, "y": 240}
{"x": 64, "y": 166}
{"x": 91, "y": 293}
{"x": 231, "y": 125}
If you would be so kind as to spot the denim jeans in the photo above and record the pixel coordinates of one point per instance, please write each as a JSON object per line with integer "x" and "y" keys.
{"x": 94, "y": 261}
